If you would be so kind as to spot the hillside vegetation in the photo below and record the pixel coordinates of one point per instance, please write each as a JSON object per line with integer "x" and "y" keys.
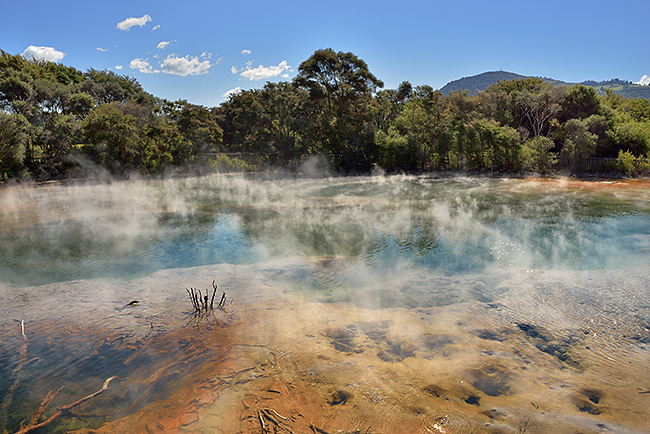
{"x": 480, "y": 82}
{"x": 57, "y": 122}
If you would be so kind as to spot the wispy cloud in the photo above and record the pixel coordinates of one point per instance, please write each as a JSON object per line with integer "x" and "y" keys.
{"x": 118, "y": 67}
{"x": 232, "y": 92}
{"x": 234, "y": 69}
{"x": 163, "y": 44}
{"x": 187, "y": 65}
{"x": 43, "y": 53}
{"x": 103, "y": 50}
{"x": 261, "y": 72}
{"x": 142, "y": 65}
{"x": 246, "y": 51}
{"x": 131, "y": 22}
{"x": 645, "y": 80}
{"x": 156, "y": 27}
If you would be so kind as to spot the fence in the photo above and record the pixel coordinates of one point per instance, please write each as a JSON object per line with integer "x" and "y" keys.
{"x": 595, "y": 162}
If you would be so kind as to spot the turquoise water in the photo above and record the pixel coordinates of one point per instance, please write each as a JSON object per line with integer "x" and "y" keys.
{"x": 455, "y": 225}
{"x": 545, "y": 278}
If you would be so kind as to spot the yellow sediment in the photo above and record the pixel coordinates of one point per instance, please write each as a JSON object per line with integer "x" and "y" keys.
{"x": 289, "y": 365}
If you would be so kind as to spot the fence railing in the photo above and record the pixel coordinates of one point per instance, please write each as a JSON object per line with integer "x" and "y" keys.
{"x": 595, "y": 162}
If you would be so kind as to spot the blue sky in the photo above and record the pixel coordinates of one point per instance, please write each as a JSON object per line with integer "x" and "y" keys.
{"x": 201, "y": 50}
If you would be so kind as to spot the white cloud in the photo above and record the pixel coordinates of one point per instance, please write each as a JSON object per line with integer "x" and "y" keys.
{"x": 142, "y": 66}
{"x": 232, "y": 92}
{"x": 163, "y": 44}
{"x": 262, "y": 72}
{"x": 156, "y": 27}
{"x": 185, "y": 66}
{"x": 234, "y": 70}
{"x": 43, "y": 53}
{"x": 645, "y": 80}
{"x": 246, "y": 51}
{"x": 103, "y": 50}
{"x": 131, "y": 22}
{"x": 118, "y": 67}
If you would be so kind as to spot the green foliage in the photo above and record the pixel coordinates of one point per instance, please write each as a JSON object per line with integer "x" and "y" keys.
{"x": 56, "y": 141}
{"x": 79, "y": 104}
{"x": 14, "y": 142}
{"x": 632, "y": 135}
{"x": 272, "y": 122}
{"x": 536, "y": 155}
{"x": 580, "y": 102}
{"x": 339, "y": 78}
{"x": 579, "y": 144}
{"x": 627, "y": 162}
{"x": 332, "y": 108}
{"x": 501, "y": 146}
{"x": 340, "y": 85}
{"x": 396, "y": 153}
{"x": 199, "y": 126}
{"x": 224, "y": 163}
{"x": 111, "y": 136}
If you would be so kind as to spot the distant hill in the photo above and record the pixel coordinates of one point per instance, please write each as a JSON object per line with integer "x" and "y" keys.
{"x": 480, "y": 82}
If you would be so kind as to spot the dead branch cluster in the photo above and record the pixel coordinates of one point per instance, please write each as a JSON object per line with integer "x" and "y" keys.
{"x": 200, "y": 300}
{"x": 276, "y": 420}
{"x": 34, "y": 424}
{"x": 202, "y": 303}
{"x": 66, "y": 410}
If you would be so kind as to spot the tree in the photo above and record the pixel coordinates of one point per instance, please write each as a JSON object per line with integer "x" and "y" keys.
{"x": 579, "y": 144}
{"x": 338, "y": 78}
{"x": 529, "y": 103}
{"x": 341, "y": 87}
{"x": 112, "y": 137}
{"x": 79, "y": 104}
{"x": 200, "y": 128}
{"x": 580, "y": 102}
{"x": 107, "y": 87}
{"x": 633, "y": 136}
{"x": 540, "y": 107}
{"x": 537, "y": 156}
{"x": 17, "y": 92}
{"x": 58, "y": 137}
{"x": 284, "y": 112}
{"x": 500, "y": 144}
{"x": 14, "y": 142}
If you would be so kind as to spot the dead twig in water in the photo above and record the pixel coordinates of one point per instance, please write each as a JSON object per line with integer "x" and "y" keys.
{"x": 214, "y": 292}
{"x": 259, "y": 415}
{"x": 65, "y": 409}
{"x": 277, "y": 414}
{"x": 200, "y": 300}
{"x": 41, "y": 409}
{"x": 265, "y": 413}
{"x": 317, "y": 430}
{"x": 9, "y": 395}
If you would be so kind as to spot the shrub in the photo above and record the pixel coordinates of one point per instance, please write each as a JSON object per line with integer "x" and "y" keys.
{"x": 536, "y": 155}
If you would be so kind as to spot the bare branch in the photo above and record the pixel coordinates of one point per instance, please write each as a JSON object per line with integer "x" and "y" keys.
{"x": 66, "y": 409}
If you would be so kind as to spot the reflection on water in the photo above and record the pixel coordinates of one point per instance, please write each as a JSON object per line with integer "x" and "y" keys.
{"x": 454, "y": 304}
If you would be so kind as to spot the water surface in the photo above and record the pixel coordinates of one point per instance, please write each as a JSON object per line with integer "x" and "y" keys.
{"x": 483, "y": 294}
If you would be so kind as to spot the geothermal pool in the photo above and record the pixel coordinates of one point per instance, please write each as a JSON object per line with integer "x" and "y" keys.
{"x": 363, "y": 304}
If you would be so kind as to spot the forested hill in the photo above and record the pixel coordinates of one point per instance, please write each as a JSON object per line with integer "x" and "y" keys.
{"x": 480, "y": 82}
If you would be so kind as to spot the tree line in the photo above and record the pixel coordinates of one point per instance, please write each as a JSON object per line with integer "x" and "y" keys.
{"x": 55, "y": 119}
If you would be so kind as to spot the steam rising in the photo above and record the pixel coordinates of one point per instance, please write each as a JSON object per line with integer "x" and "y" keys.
{"x": 461, "y": 291}
{"x": 126, "y": 229}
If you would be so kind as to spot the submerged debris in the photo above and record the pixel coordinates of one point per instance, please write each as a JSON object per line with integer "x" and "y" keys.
{"x": 200, "y": 301}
